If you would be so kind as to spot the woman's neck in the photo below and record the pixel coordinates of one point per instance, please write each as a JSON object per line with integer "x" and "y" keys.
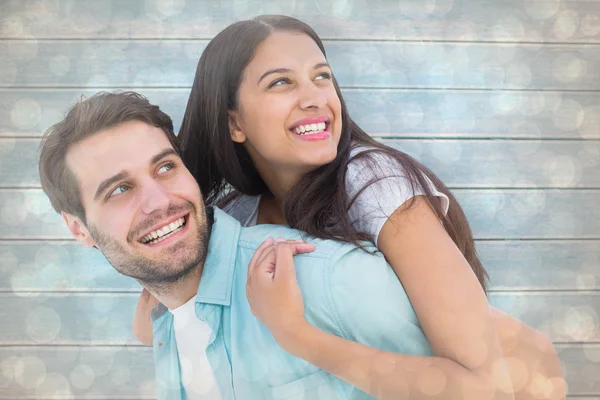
{"x": 270, "y": 210}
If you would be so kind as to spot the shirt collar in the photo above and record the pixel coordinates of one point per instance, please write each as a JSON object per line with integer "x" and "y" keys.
{"x": 217, "y": 275}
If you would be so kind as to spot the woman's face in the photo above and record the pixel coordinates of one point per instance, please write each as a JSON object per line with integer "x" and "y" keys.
{"x": 289, "y": 114}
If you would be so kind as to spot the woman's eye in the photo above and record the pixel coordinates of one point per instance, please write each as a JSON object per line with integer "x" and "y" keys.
{"x": 165, "y": 168}
{"x": 324, "y": 75}
{"x": 119, "y": 190}
{"x": 279, "y": 82}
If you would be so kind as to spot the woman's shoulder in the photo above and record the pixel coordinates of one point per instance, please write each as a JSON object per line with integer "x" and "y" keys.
{"x": 241, "y": 207}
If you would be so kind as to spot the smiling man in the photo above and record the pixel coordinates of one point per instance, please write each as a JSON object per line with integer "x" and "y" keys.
{"x": 112, "y": 169}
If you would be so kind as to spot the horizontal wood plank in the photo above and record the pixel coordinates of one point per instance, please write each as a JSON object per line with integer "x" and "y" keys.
{"x": 103, "y": 319}
{"x": 512, "y": 265}
{"x": 493, "y": 214}
{"x": 518, "y": 163}
{"x": 97, "y": 373}
{"x": 488, "y": 20}
{"x": 172, "y": 63}
{"x": 380, "y": 112}
{"x": 85, "y": 373}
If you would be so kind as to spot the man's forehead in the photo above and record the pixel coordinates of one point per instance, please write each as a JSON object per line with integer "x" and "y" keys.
{"x": 127, "y": 146}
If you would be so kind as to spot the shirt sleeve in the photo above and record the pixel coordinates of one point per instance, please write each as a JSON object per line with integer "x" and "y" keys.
{"x": 371, "y": 306}
{"x": 388, "y": 188}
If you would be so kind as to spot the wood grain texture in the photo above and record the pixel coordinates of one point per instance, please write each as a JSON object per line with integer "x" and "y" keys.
{"x": 380, "y": 112}
{"x": 35, "y": 266}
{"x": 172, "y": 63}
{"x": 459, "y": 163}
{"x": 114, "y": 372}
{"x": 567, "y": 21}
{"x": 101, "y": 319}
{"x": 493, "y": 214}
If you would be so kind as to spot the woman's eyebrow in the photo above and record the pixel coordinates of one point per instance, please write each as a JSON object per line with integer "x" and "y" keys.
{"x": 286, "y": 70}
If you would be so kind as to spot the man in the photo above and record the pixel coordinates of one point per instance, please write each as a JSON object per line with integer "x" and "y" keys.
{"x": 113, "y": 171}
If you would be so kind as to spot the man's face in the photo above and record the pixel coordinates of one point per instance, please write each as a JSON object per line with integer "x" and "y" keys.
{"x": 143, "y": 208}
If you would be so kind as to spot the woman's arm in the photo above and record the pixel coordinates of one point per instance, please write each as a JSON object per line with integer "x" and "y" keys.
{"x": 480, "y": 374}
{"x": 142, "y": 321}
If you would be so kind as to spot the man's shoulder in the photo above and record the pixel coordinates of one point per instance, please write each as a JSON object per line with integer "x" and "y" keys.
{"x": 252, "y": 237}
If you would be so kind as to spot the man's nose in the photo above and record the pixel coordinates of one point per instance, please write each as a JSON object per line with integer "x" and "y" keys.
{"x": 154, "y": 197}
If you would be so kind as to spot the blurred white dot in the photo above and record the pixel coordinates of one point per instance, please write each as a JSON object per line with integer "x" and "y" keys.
{"x": 417, "y": 9}
{"x": 7, "y": 145}
{"x": 8, "y": 72}
{"x": 509, "y": 29}
{"x": 50, "y": 116}
{"x": 148, "y": 388}
{"x": 23, "y": 50}
{"x": 11, "y": 26}
{"x": 432, "y": 381}
{"x": 518, "y": 76}
{"x": 566, "y": 24}
{"x": 43, "y": 324}
{"x": 24, "y": 279}
{"x": 527, "y": 129}
{"x": 411, "y": 115}
{"x": 592, "y": 353}
{"x": 101, "y": 360}
{"x": 447, "y": 152}
{"x": 504, "y": 54}
{"x": 541, "y": 10}
{"x": 568, "y": 67}
{"x": 55, "y": 386}
{"x": 563, "y": 170}
{"x": 120, "y": 375}
{"x": 443, "y": 7}
{"x": 533, "y": 104}
{"x": 591, "y": 122}
{"x": 30, "y": 372}
{"x": 506, "y": 102}
{"x": 494, "y": 74}
{"x": 7, "y": 371}
{"x": 462, "y": 30}
{"x": 170, "y": 8}
{"x": 590, "y": 25}
{"x": 60, "y": 65}
{"x": 8, "y": 261}
{"x": 586, "y": 282}
{"x": 98, "y": 81}
{"x": 553, "y": 100}
{"x": 590, "y": 155}
{"x": 342, "y": 8}
{"x": 529, "y": 204}
{"x": 104, "y": 304}
{"x": 569, "y": 116}
{"x": 82, "y": 377}
{"x": 26, "y": 114}
{"x": 581, "y": 323}
{"x": 12, "y": 212}
{"x": 52, "y": 254}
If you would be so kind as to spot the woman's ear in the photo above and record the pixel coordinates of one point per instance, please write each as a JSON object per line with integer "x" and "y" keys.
{"x": 235, "y": 130}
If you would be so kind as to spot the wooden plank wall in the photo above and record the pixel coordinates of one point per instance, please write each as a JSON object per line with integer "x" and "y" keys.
{"x": 500, "y": 98}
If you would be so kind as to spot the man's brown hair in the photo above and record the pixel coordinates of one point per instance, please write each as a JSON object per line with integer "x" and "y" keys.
{"x": 89, "y": 116}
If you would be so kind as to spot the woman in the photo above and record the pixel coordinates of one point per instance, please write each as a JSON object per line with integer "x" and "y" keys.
{"x": 266, "y": 116}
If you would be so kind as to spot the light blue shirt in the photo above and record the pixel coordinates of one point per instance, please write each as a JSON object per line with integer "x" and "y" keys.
{"x": 346, "y": 291}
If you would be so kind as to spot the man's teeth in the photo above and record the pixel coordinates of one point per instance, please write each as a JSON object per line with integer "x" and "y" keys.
{"x": 161, "y": 234}
{"x": 310, "y": 128}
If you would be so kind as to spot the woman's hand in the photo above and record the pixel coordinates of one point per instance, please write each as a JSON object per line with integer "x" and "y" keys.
{"x": 142, "y": 321}
{"x": 272, "y": 289}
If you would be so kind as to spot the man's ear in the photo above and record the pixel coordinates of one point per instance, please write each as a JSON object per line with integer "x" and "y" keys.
{"x": 235, "y": 130}
{"x": 78, "y": 230}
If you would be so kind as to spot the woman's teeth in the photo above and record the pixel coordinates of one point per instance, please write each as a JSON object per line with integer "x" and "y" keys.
{"x": 310, "y": 128}
{"x": 161, "y": 234}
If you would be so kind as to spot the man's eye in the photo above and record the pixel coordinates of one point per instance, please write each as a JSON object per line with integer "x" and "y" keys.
{"x": 165, "y": 168}
{"x": 119, "y": 190}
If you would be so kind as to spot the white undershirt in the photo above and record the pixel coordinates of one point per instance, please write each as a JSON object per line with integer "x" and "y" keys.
{"x": 192, "y": 337}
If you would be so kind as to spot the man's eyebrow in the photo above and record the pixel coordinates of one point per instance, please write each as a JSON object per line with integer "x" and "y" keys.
{"x": 286, "y": 70}
{"x": 165, "y": 153}
{"x": 105, "y": 184}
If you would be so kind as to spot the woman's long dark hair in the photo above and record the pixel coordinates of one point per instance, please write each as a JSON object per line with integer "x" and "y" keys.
{"x": 319, "y": 203}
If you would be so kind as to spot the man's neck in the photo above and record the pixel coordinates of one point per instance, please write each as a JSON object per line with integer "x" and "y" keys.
{"x": 175, "y": 294}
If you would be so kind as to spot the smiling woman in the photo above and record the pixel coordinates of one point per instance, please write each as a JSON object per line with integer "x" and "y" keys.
{"x": 263, "y": 87}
